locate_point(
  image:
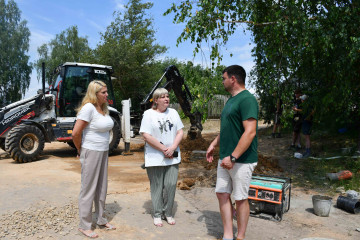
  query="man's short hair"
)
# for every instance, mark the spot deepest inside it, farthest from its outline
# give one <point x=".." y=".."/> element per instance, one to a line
<point x="237" y="71"/>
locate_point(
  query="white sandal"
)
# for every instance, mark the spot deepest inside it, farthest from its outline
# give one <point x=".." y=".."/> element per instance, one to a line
<point x="158" y="222"/>
<point x="170" y="220"/>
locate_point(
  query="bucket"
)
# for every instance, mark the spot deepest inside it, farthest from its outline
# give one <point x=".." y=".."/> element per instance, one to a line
<point x="348" y="204"/>
<point x="322" y="205"/>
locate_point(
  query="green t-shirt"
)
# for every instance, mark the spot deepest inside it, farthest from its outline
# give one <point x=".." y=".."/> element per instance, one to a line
<point x="237" y="109"/>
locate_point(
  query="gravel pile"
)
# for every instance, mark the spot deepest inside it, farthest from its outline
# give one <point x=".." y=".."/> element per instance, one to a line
<point x="48" y="219"/>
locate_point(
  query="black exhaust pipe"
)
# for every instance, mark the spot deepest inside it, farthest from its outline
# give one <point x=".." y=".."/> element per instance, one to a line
<point x="43" y="77"/>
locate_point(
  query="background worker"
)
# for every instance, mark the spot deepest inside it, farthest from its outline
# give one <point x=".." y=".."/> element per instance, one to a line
<point x="308" y="113"/>
<point x="238" y="151"/>
<point x="277" y="120"/>
<point x="297" y="121"/>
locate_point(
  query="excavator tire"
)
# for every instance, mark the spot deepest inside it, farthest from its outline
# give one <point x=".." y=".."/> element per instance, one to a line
<point x="24" y="143"/>
<point x="71" y="144"/>
<point x="2" y="143"/>
<point x="114" y="136"/>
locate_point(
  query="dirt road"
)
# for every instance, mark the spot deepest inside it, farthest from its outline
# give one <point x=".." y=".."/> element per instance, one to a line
<point x="38" y="200"/>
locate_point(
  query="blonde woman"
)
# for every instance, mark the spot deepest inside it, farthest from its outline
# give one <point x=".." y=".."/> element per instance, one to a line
<point x="161" y="128"/>
<point x="91" y="135"/>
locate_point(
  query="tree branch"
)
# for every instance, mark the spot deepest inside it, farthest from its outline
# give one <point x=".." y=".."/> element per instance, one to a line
<point x="257" y="24"/>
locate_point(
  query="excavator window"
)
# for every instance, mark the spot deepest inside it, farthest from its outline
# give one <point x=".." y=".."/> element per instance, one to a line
<point x="74" y="85"/>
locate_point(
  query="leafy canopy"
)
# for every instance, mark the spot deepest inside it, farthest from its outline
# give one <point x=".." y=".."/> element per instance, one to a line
<point x="129" y="45"/>
<point x="67" y="46"/>
<point x="313" y="45"/>
<point x="15" y="68"/>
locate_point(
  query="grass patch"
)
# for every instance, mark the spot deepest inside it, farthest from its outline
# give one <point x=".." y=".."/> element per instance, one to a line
<point x="314" y="174"/>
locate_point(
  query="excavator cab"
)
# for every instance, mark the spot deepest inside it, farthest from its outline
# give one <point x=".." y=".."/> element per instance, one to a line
<point x="70" y="85"/>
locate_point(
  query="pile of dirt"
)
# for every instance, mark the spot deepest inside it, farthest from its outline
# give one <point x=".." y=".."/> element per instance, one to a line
<point x="186" y="183"/>
<point x="268" y="166"/>
<point x="196" y="144"/>
<point x="207" y="176"/>
<point x="206" y="172"/>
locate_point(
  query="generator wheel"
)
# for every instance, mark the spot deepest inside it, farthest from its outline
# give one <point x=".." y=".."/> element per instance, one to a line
<point x="114" y="136"/>
<point x="2" y="143"/>
<point x="24" y="143"/>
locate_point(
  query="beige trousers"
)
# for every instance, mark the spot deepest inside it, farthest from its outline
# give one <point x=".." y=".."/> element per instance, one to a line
<point x="94" y="171"/>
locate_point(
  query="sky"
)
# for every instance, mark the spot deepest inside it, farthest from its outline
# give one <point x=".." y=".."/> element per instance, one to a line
<point x="46" y="18"/>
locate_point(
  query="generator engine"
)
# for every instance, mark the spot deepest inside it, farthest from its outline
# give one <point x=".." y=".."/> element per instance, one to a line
<point x="269" y="196"/>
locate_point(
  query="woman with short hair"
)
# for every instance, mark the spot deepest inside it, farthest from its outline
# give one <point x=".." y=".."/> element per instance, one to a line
<point x="91" y="136"/>
<point x="161" y="128"/>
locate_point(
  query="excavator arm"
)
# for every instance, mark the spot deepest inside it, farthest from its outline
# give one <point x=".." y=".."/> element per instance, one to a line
<point x="175" y="82"/>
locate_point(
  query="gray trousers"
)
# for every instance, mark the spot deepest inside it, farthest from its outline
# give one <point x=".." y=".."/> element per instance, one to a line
<point x="94" y="174"/>
<point x="163" y="182"/>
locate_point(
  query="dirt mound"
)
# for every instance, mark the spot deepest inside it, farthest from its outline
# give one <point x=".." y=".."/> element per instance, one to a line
<point x="207" y="171"/>
<point x="196" y="144"/>
<point x="268" y="166"/>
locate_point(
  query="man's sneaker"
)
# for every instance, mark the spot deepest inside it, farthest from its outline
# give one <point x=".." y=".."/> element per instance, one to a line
<point x="306" y="155"/>
<point x="278" y="135"/>
<point x="273" y="135"/>
<point x="298" y="147"/>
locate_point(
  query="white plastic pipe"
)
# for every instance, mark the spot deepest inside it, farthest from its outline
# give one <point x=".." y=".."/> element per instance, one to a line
<point x="125" y="124"/>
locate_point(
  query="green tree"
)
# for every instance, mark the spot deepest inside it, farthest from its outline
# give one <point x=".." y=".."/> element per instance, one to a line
<point x="128" y="45"/>
<point x="314" y="45"/>
<point x="67" y="46"/>
<point x="14" y="44"/>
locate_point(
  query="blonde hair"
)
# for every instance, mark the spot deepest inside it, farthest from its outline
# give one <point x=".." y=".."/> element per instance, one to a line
<point x="90" y="96"/>
<point x="157" y="94"/>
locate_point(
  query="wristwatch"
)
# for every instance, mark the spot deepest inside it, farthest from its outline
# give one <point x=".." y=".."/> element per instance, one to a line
<point x="232" y="158"/>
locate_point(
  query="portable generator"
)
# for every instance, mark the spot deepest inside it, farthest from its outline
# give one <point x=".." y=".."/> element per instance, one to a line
<point x="269" y="196"/>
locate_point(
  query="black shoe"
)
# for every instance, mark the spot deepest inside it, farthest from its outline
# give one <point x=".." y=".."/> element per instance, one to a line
<point x="278" y="135"/>
<point x="273" y="135"/>
<point x="298" y="147"/>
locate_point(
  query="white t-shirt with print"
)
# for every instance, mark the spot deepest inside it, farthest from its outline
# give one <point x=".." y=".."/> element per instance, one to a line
<point x="162" y="126"/>
<point x="96" y="134"/>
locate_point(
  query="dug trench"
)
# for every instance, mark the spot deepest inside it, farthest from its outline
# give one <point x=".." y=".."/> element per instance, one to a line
<point x="38" y="200"/>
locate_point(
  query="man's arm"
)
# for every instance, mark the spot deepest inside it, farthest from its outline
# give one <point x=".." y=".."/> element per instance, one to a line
<point x="210" y="150"/>
<point x="310" y="115"/>
<point x="244" y="142"/>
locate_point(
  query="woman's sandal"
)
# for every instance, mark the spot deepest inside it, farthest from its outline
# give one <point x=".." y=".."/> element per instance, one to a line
<point x="89" y="234"/>
<point x="158" y="222"/>
<point x="170" y="220"/>
<point x="108" y="226"/>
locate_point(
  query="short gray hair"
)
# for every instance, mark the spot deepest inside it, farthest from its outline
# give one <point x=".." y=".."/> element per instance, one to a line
<point x="157" y="94"/>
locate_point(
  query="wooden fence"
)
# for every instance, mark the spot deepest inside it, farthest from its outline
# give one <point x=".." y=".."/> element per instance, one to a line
<point x="216" y="105"/>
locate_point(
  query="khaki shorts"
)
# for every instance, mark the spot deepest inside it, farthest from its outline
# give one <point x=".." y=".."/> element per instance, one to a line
<point x="235" y="181"/>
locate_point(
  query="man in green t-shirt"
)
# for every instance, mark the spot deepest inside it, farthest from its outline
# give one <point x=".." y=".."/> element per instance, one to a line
<point x="238" y="151"/>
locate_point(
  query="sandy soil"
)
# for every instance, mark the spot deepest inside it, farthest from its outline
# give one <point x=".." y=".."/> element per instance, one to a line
<point x="38" y="200"/>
